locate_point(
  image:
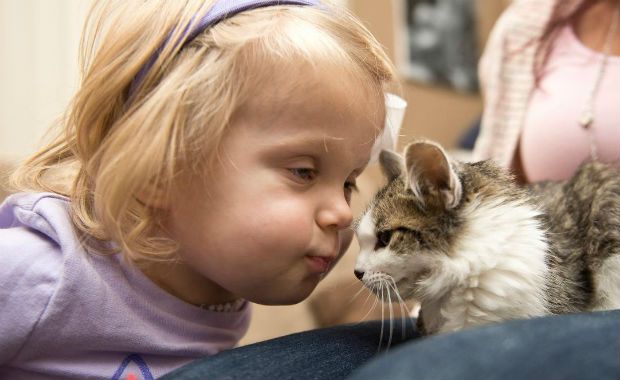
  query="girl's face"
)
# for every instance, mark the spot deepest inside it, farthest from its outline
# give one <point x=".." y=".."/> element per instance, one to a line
<point x="273" y="215"/>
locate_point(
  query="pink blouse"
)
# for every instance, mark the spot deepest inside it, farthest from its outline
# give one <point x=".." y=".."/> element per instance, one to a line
<point x="553" y="144"/>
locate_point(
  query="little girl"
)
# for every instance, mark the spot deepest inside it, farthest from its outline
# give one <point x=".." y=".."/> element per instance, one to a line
<point x="206" y="161"/>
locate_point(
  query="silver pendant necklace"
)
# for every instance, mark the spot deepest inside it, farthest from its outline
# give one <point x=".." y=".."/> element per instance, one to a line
<point x="587" y="115"/>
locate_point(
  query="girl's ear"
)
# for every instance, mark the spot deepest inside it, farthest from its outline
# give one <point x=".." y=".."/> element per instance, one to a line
<point x="430" y="174"/>
<point x="392" y="164"/>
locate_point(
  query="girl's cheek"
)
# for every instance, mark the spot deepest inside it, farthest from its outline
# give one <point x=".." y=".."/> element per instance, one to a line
<point x="282" y="219"/>
<point x="346" y="236"/>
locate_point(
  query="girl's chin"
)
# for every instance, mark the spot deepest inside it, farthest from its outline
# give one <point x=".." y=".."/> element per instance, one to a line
<point x="279" y="298"/>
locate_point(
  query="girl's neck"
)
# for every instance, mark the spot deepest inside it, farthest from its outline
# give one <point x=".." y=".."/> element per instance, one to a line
<point x="184" y="283"/>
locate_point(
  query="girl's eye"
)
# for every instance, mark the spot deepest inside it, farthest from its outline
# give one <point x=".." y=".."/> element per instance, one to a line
<point x="349" y="188"/>
<point x="305" y="174"/>
<point x="383" y="239"/>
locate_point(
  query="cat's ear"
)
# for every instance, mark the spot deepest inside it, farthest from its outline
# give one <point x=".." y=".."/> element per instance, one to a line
<point x="392" y="164"/>
<point x="430" y="173"/>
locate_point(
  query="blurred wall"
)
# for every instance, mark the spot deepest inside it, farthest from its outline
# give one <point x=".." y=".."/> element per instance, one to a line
<point x="433" y="112"/>
<point x="38" y="68"/>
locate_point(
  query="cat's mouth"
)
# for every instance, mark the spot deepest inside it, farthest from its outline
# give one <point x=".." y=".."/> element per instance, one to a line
<point x="379" y="280"/>
<point x="380" y="283"/>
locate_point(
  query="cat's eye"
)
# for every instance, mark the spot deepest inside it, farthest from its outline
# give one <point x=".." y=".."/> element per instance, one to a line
<point x="411" y="233"/>
<point x="383" y="239"/>
<point x="416" y="235"/>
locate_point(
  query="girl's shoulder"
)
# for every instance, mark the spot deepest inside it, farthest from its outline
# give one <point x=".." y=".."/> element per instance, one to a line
<point x="60" y="302"/>
<point x="34" y="229"/>
<point x="31" y="264"/>
<point x="47" y="213"/>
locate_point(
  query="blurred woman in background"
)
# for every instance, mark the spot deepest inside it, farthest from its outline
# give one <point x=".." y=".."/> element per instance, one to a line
<point x="550" y="77"/>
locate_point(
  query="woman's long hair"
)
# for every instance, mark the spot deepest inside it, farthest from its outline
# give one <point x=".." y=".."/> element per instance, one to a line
<point x="562" y="14"/>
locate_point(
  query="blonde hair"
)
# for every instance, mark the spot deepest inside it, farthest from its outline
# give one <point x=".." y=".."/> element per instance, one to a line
<point x="116" y="143"/>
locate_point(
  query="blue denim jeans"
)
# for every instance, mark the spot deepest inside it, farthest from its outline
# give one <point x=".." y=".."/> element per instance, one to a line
<point x="576" y="346"/>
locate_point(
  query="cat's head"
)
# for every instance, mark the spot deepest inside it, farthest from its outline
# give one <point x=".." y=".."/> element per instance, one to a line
<point x="410" y="229"/>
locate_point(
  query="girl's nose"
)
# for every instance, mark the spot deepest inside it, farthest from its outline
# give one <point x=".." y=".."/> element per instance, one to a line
<point x="335" y="213"/>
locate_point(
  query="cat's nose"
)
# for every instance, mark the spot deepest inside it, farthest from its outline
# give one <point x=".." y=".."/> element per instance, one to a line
<point x="358" y="274"/>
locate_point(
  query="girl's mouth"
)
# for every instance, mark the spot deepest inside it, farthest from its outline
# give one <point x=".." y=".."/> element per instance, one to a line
<point x="319" y="264"/>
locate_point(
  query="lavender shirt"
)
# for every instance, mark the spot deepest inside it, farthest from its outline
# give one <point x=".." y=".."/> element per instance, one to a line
<point x="67" y="314"/>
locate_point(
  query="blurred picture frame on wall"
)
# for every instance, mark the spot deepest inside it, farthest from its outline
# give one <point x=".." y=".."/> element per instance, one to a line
<point x="437" y="42"/>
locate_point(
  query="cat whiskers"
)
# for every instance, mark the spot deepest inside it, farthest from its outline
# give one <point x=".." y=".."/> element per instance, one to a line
<point x="383" y="286"/>
<point x="404" y="310"/>
<point x="372" y="307"/>
<point x="405" y="313"/>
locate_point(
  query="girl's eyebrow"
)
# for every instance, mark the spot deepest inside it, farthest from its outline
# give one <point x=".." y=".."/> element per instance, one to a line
<point x="304" y="142"/>
<point x="307" y="144"/>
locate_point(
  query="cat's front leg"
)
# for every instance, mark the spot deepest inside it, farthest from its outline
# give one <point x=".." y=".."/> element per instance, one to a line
<point x="420" y="325"/>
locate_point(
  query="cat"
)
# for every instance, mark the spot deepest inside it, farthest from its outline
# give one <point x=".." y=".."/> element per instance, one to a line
<point x="473" y="247"/>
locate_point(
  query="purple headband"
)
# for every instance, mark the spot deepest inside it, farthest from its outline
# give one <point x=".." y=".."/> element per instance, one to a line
<point x="221" y="10"/>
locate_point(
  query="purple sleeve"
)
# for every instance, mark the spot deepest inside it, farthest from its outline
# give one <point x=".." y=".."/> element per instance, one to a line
<point x="30" y="267"/>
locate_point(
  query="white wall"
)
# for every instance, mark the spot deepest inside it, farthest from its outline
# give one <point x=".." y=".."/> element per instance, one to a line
<point x="38" y="68"/>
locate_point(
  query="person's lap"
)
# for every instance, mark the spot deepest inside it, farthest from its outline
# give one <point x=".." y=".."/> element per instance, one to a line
<point x="578" y="346"/>
<point x="329" y="353"/>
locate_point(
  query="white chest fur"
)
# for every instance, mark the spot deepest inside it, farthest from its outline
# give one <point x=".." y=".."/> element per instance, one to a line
<point x="496" y="270"/>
